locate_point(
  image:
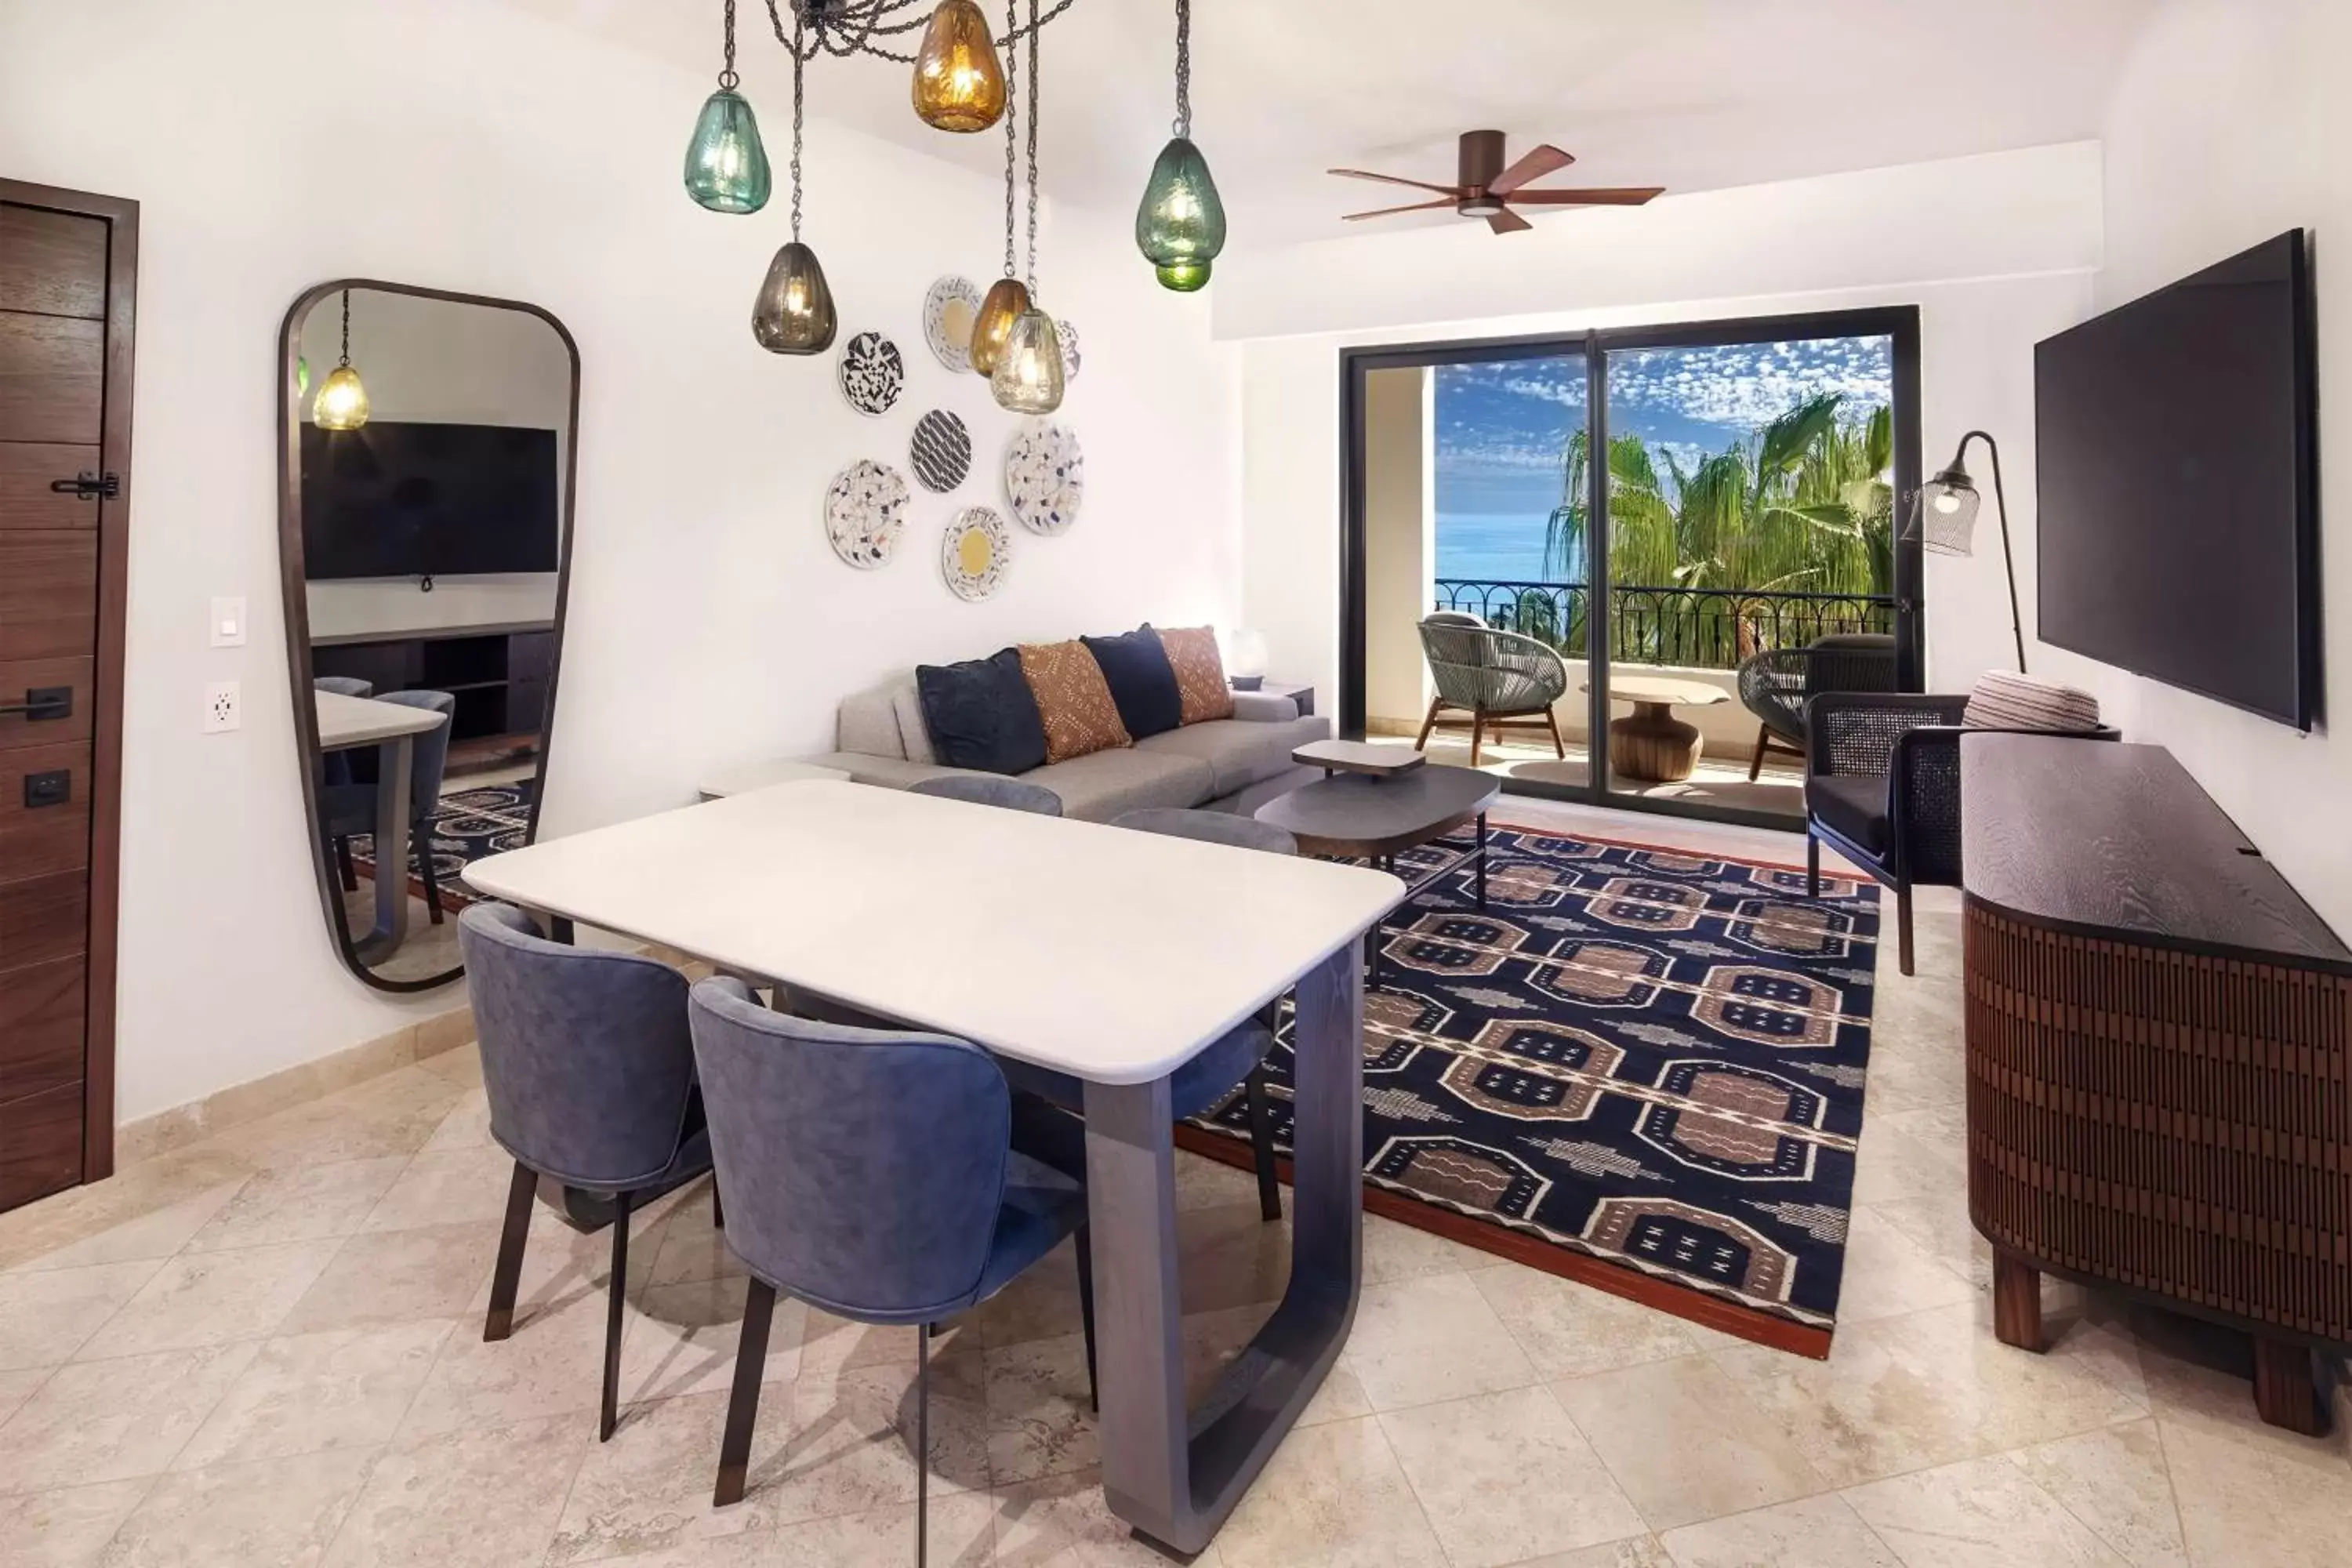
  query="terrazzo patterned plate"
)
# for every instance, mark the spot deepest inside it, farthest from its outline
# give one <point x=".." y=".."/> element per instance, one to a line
<point x="1046" y="477"/>
<point x="873" y="373"/>
<point x="941" y="453"/>
<point x="974" y="552"/>
<point x="864" y="512"/>
<point x="1071" y="359"/>
<point x="949" y="310"/>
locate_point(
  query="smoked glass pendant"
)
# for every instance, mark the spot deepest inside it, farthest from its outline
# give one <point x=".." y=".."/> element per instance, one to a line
<point x="1007" y="298"/>
<point x="726" y="166"/>
<point x="958" y="83"/>
<point x="1181" y="224"/>
<point x="795" y="313"/>
<point x="1028" y="375"/>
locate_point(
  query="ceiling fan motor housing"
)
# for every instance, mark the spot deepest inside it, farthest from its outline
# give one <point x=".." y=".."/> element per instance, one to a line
<point x="1482" y="161"/>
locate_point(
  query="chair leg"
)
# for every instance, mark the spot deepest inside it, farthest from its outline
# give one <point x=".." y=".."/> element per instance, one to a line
<point x="743" y="1403"/>
<point x="508" y="1276"/>
<point x="1429" y="723"/>
<point x="1756" y="763"/>
<point x="1261" y="1123"/>
<point x="615" y="1293"/>
<point x="344" y="864"/>
<point x="1087" y="1311"/>
<point x="922" y="1444"/>
<point x="1558" y="745"/>
<point x="1812" y="866"/>
<point x="1477" y="734"/>
<point x="1903" y="924"/>
<point x="718" y="1204"/>
<point x="431" y="880"/>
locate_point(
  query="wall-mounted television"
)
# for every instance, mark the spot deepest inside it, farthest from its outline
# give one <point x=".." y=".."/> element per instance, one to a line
<point x="2179" y="485"/>
<point x="398" y="499"/>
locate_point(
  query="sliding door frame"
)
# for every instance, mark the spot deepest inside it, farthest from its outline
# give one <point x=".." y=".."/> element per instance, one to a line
<point x="1899" y="323"/>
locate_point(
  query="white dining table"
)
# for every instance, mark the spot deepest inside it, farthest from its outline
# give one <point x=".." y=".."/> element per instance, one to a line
<point x="1109" y="954"/>
<point x="348" y="723"/>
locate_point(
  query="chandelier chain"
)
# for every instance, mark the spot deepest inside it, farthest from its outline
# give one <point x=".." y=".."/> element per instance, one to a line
<point x="845" y="28"/>
<point x="728" y="80"/>
<point x="1033" y="25"/>
<point x="1184" y="68"/>
<point x="797" y="62"/>
<point x="347" y="329"/>
<point x="1012" y="137"/>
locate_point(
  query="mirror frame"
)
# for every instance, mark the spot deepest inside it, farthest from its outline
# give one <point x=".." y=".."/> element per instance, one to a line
<point x="294" y="585"/>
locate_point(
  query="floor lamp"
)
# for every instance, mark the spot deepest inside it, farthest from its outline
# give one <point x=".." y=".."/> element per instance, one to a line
<point x="1945" y="521"/>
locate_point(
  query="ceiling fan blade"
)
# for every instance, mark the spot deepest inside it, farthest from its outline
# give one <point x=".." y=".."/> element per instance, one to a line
<point x="1533" y="165"/>
<point x="1507" y="222"/>
<point x="1384" y="212"/>
<point x="1397" y="180"/>
<point x="1619" y="196"/>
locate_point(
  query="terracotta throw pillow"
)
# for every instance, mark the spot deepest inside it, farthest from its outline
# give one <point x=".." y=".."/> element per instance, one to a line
<point x="1200" y="673"/>
<point x="1072" y="699"/>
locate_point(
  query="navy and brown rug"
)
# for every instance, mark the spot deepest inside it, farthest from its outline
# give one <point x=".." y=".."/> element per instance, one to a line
<point x="1637" y="1068"/>
<point x="467" y="824"/>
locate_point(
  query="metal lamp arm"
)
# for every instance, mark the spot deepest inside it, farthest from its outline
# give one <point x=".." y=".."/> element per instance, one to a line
<point x="2008" y="561"/>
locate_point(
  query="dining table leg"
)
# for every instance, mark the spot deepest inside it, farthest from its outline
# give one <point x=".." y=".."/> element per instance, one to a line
<point x="1175" y="1474"/>
<point x="391" y="851"/>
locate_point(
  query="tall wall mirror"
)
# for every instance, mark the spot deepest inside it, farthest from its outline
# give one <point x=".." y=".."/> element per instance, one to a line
<point x="425" y="525"/>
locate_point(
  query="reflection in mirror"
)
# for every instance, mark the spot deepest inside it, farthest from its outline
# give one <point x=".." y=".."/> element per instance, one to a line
<point x="425" y="523"/>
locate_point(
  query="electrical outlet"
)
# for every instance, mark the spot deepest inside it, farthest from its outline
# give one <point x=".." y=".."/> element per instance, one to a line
<point x="228" y="622"/>
<point x="224" y="709"/>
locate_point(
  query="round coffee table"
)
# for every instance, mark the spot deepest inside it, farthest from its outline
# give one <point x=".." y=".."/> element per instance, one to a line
<point x="1650" y="744"/>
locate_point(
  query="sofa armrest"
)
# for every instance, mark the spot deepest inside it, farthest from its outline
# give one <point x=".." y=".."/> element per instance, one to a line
<point x="1264" y="708"/>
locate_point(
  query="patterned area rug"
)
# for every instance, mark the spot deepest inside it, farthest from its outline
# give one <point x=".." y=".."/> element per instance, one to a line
<point x="468" y="825"/>
<point x="1636" y="1068"/>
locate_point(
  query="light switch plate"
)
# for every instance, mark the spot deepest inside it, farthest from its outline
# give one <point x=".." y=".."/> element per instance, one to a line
<point x="224" y="708"/>
<point x="228" y="622"/>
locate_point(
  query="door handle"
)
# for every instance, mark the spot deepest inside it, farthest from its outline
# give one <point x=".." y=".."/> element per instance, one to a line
<point x="42" y="703"/>
<point x="88" y="487"/>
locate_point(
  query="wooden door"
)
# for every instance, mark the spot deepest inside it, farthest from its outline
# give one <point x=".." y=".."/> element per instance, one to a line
<point x="68" y="263"/>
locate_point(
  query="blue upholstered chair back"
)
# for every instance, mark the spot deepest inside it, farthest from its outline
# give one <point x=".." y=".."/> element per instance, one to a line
<point x="428" y="753"/>
<point x="586" y="1055"/>
<point x="987" y="789"/>
<point x="862" y="1170"/>
<point x="343" y="685"/>
<point x="1209" y="827"/>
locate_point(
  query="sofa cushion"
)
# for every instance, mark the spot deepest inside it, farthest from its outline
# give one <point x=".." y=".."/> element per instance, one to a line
<point x="1074" y="702"/>
<point x="1852" y="805"/>
<point x="867" y="724"/>
<point x="1239" y="753"/>
<point x="1142" y="682"/>
<point x="2006" y="701"/>
<point x="914" y="735"/>
<point x="1201" y="681"/>
<point x="980" y="716"/>
<point x="1101" y="784"/>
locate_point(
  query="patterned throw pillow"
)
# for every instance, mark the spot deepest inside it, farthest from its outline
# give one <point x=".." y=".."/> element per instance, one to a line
<point x="1072" y="699"/>
<point x="2005" y="701"/>
<point x="1200" y="673"/>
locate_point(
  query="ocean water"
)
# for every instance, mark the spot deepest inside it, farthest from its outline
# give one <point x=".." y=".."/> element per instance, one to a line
<point x="1490" y="548"/>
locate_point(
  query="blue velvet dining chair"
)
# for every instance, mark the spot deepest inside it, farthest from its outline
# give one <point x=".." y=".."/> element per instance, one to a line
<point x="870" y="1172"/>
<point x="349" y="808"/>
<point x="990" y="789"/>
<point x="588" y="1062"/>
<point x="335" y="770"/>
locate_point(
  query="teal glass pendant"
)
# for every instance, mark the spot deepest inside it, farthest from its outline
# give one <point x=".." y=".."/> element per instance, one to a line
<point x="1181" y="224"/>
<point x="726" y="166"/>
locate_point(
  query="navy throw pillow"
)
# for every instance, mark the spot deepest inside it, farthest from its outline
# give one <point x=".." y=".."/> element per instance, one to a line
<point x="1142" y="682"/>
<point x="980" y="714"/>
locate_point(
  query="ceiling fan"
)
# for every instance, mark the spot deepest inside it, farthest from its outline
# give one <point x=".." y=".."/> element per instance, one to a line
<point x="1490" y="190"/>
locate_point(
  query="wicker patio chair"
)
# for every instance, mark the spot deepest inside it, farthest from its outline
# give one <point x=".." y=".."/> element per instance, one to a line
<point x="1775" y="684"/>
<point x="1497" y="677"/>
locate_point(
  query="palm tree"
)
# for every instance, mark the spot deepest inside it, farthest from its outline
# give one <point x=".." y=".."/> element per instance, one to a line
<point x="1806" y="505"/>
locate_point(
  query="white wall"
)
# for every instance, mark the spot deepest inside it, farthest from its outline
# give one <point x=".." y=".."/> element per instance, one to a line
<point x="2230" y="125"/>
<point x="1400" y="533"/>
<point x="459" y="144"/>
<point x="1887" y="237"/>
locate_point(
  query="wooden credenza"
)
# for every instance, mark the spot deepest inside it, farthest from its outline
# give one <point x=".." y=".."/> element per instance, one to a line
<point x="2159" y="1057"/>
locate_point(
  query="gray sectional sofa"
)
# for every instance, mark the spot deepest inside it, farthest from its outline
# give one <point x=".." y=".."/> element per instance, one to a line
<point x="1225" y="764"/>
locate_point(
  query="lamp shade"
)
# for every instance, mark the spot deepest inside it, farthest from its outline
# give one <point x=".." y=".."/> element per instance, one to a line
<point x="795" y="313"/>
<point x="1007" y="298"/>
<point x="1028" y="378"/>
<point x="1245" y="654"/>
<point x="959" y="83"/>
<point x="726" y="166"/>
<point x="1180" y="225"/>
<point x="342" y="401"/>
<point x="1949" y="505"/>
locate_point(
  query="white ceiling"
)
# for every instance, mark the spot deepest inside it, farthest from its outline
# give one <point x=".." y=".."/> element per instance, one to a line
<point x="1688" y="94"/>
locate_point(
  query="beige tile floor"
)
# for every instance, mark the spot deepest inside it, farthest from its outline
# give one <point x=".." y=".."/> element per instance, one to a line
<point x="267" y="1349"/>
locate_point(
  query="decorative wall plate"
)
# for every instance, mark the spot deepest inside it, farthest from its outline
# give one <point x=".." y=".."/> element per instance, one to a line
<point x="1071" y="359"/>
<point x="948" y="311"/>
<point x="1046" y="477"/>
<point x="872" y="372"/>
<point x="941" y="453"/>
<point x="865" y="511"/>
<point x="974" y="552"/>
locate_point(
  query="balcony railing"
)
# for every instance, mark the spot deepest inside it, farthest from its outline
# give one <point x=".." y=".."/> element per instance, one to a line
<point x="1705" y="628"/>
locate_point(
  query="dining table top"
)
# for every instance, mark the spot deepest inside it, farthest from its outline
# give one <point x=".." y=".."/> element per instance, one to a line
<point x="1108" y="954"/>
<point x="345" y="721"/>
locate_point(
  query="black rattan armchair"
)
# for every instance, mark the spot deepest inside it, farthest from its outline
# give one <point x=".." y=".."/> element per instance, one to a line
<point x="1882" y="788"/>
<point x="1775" y="684"/>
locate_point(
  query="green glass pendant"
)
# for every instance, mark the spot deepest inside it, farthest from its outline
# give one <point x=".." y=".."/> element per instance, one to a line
<point x="726" y="166"/>
<point x="1181" y="224"/>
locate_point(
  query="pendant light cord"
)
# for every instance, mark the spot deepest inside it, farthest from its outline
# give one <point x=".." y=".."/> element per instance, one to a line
<point x="1184" y="68"/>
<point x="345" y="362"/>
<point x="1033" y="152"/>
<point x="1012" y="134"/>
<point x="796" y="127"/>
<point x="727" y="76"/>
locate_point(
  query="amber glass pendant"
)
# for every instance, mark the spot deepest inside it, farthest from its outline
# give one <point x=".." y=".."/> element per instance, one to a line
<point x="959" y="83"/>
<point x="342" y="402"/>
<point x="1007" y="298"/>
<point x="1028" y="375"/>
<point x="795" y="313"/>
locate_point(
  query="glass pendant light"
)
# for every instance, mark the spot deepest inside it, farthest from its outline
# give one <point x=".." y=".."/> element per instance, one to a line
<point x="1180" y="225"/>
<point x="1028" y="375"/>
<point x="342" y="402"/>
<point x="793" y="313"/>
<point x="959" y="85"/>
<point x="1007" y="298"/>
<point x="726" y="166"/>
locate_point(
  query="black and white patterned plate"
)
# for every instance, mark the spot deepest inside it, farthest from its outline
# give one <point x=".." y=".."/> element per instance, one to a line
<point x="1071" y="357"/>
<point x="1046" y="477"/>
<point x="865" y="511"/>
<point x="872" y="372"/>
<point x="941" y="453"/>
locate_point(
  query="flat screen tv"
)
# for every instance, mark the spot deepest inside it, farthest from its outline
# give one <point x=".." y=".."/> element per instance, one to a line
<point x="2179" y="485"/>
<point x="395" y="499"/>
